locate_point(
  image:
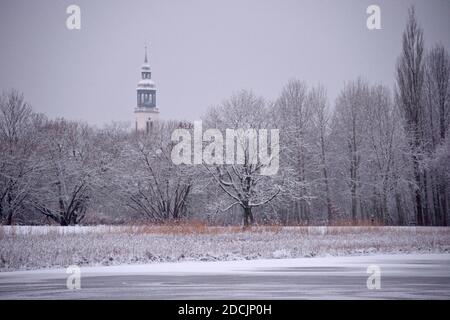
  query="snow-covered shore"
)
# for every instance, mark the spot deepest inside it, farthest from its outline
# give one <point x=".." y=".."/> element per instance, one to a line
<point x="24" y="247"/>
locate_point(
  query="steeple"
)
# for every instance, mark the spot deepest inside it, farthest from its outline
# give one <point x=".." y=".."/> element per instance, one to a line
<point x="145" y="60"/>
<point x="146" y="111"/>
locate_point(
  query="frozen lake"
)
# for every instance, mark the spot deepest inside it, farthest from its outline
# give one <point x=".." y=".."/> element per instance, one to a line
<point x="409" y="276"/>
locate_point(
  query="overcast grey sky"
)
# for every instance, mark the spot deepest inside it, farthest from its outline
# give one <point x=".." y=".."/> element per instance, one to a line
<point x="201" y="51"/>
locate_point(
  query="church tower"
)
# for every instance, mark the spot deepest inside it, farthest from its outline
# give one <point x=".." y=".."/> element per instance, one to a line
<point x="146" y="112"/>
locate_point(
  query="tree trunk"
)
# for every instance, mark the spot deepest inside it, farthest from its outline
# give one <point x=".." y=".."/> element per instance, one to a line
<point x="248" y="217"/>
<point x="426" y="209"/>
<point x="63" y="221"/>
<point x="353" y="196"/>
<point x="327" y="191"/>
<point x="436" y="198"/>
<point x="9" y="211"/>
<point x="398" y="204"/>
<point x="9" y="219"/>
<point x="444" y="202"/>
<point x="418" y="195"/>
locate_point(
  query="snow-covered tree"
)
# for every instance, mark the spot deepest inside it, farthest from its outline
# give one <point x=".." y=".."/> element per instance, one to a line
<point x="152" y="184"/>
<point x="294" y="117"/>
<point x="68" y="171"/>
<point x="17" y="145"/>
<point x="320" y="118"/>
<point x="410" y="79"/>
<point x="242" y="182"/>
<point x="349" y="138"/>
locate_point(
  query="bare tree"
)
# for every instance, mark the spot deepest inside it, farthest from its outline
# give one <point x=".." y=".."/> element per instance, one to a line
<point x="154" y="186"/>
<point x="295" y="117"/>
<point x="16" y="148"/>
<point x="436" y="123"/>
<point x="321" y="121"/>
<point x="383" y="145"/>
<point x="349" y="125"/>
<point x="242" y="182"/>
<point x="437" y="66"/>
<point x="410" y="78"/>
<point x="68" y="171"/>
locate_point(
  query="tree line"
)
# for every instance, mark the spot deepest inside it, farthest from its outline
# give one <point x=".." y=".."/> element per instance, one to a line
<point x="379" y="155"/>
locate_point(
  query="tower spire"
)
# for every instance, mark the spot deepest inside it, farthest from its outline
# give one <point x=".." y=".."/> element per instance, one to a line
<point x="145" y="60"/>
<point x="146" y="111"/>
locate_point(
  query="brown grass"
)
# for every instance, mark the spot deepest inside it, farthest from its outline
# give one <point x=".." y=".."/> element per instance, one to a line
<point x="188" y="228"/>
<point x="30" y="248"/>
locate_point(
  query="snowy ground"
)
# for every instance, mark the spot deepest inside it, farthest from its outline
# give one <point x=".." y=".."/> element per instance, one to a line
<point x="25" y="248"/>
<point x="408" y="276"/>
